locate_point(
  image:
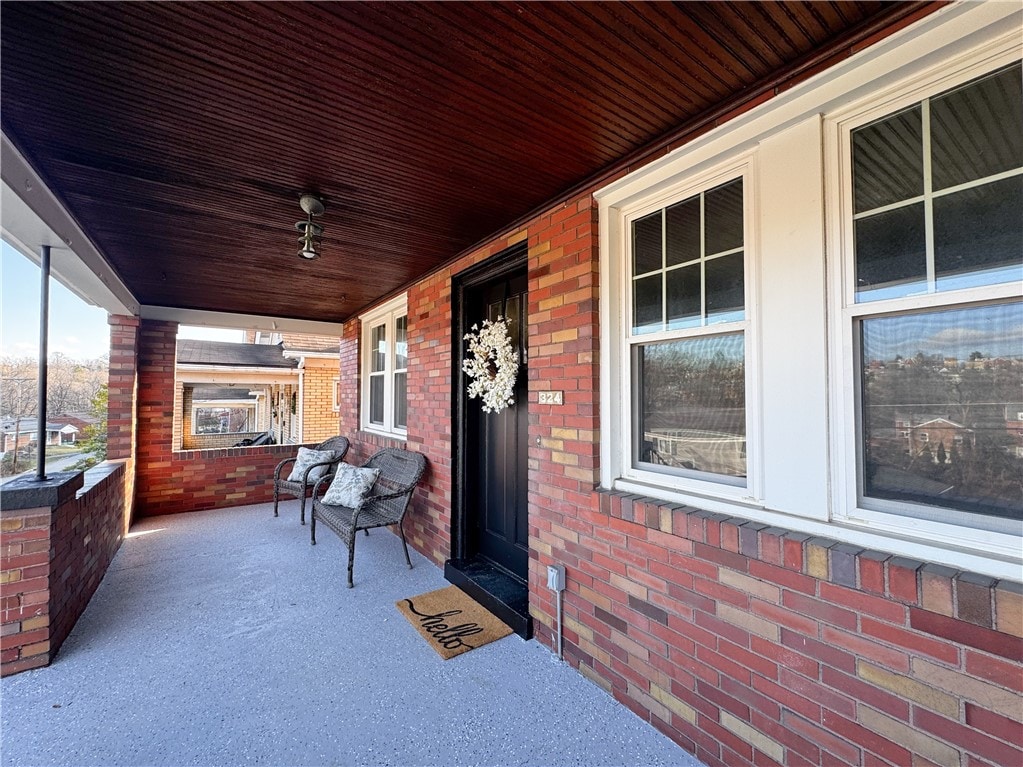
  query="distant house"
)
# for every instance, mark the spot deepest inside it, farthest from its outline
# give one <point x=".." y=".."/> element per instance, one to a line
<point x="927" y="432"/>
<point x="230" y="393"/>
<point x="1014" y="426"/>
<point x="24" y="432"/>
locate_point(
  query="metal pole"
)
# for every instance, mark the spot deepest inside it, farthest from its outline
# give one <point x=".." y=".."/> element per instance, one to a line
<point x="44" y="327"/>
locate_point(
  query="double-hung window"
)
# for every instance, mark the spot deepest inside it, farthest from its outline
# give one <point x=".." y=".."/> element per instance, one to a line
<point x="385" y="369"/>
<point x="686" y="336"/>
<point x="932" y="325"/>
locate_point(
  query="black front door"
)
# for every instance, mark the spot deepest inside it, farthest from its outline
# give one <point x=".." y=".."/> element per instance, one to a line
<point x="496" y="478"/>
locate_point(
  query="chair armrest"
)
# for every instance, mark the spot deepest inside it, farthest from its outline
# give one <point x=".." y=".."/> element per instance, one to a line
<point x="305" y="476"/>
<point x="325" y="479"/>
<point x="277" y="471"/>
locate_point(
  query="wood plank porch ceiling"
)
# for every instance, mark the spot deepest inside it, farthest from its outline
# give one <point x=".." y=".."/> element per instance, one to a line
<point x="180" y="135"/>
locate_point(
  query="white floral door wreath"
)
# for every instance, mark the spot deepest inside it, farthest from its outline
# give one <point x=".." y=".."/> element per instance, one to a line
<point x="492" y="365"/>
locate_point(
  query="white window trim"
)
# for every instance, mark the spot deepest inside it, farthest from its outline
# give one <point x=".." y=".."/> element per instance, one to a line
<point x="335" y="393"/>
<point x="945" y="35"/>
<point x="874" y="514"/>
<point x="386" y="314"/>
<point x="626" y="473"/>
<point x="232" y="404"/>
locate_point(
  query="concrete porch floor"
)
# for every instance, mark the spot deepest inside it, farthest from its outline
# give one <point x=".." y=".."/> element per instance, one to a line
<point x="224" y="638"/>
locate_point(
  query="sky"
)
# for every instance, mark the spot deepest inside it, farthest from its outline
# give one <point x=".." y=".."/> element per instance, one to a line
<point x="77" y="329"/>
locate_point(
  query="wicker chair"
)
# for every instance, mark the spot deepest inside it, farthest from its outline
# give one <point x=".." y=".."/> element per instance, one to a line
<point x="387" y="503"/>
<point x="299" y="489"/>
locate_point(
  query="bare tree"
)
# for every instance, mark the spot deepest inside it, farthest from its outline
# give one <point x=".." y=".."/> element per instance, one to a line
<point x="18" y="401"/>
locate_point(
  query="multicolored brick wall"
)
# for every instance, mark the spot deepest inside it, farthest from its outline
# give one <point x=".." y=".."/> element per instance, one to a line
<point x="86" y="534"/>
<point x="169" y="481"/>
<point x="319" y="418"/>
<point x="743" y="643"/>
<point x="51" y="561"/>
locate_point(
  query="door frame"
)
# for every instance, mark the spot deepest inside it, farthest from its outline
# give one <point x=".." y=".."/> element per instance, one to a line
<point x="510" y="260"/>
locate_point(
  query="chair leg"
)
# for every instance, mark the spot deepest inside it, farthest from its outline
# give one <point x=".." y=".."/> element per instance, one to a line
<point x="405" y="544"/>
<point x="312" y="528"/>
<point x="351" y="557"/>
<point x="302" y="510"/>
<point x="275" y="499"/>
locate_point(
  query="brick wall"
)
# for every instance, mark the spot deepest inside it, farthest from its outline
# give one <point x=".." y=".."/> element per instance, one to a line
<point x="170" y="481"/>
<point x="86" y="534"/>
<point x="51" y="561"/>
<point x="319" y="418"/>
<point x="745" y="644"/>
<point x="24" y="590"/>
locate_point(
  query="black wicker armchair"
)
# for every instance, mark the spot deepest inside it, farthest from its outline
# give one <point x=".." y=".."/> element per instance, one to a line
<point x="386" y="504"/>
<point x="337" y="445"/>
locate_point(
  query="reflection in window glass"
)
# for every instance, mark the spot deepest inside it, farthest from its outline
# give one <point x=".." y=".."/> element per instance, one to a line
<point x="682" y="232"/>
<point x="401" y="343"/>
<point x="647" y="304"/>
<point x="376" y="400"/>
<point x="891" y="254"/>
<point x="379" y="347"/>
<point x="888" y="161"/>
<point x="221" y="420"/>
<point x="690" y="409"/>
<point x="977" y="130"/>
<point x="694" y="274"/>
<point x="941" y="393"/>
<point x="725" y="288"/>
<point x="400" y="400"/>
<point x="955" y="223"/>
<point x="646" y="244"/>
<point x="684" y="308"/>
<point x="978" y="235"/>
<point x="723" y="218"/>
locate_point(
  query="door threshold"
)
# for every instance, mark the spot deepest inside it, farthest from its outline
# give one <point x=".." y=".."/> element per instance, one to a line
<point x="505" y="595"/>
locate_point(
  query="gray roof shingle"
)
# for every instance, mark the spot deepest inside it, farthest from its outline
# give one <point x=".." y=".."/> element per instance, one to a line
<point x="194" y="352"/>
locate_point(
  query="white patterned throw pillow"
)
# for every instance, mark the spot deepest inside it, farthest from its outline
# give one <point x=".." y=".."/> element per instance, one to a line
<point x="350" y="486"/>
<point x="306" y="458"/>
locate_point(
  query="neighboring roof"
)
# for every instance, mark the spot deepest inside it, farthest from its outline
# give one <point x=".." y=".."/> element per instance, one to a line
<point x="81" y="420"/>
<point x="28" y="425"/>
<point x="193" y="352"/>
<point x="206" y="393"/>
<point x="294" y="342"/>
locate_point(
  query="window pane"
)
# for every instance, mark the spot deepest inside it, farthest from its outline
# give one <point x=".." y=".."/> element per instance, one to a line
<point x="684" y="308"/>
<point x="726" y="296"/>
<point x="888" y="161"/>
<point x="977" y="130"/>
<point x="723" y="212"/>
<point x="378" y="349"/>
<point x="376" y="399"/>
<point x="513" y="313"/>
<point x="400" y="401"/>
<point x="646" y="244"/>
<point x="691" y="405"/>
<point x="978" y="235"/>
<point x="401" y="343"/>
<point x="221" y="420"/>
<point x="647" y="306"/>
<point x="682" y="231"/>
<point x="891" y="254"/>
<point x="941" y="399"/>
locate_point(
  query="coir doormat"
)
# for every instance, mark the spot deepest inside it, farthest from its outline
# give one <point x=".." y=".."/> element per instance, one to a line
<point x="451" y="621"/>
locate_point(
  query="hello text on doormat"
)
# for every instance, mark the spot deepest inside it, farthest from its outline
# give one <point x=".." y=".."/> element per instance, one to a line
<point x="451" y="621"/>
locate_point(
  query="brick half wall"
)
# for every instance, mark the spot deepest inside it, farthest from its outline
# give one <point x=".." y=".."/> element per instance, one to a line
<point x="170" y="481"/>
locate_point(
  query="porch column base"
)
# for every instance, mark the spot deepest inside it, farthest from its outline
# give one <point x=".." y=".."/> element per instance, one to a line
<point x="27" y="511"/>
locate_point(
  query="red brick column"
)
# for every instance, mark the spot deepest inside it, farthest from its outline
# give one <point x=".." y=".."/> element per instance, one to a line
<point x="122" y="384"/>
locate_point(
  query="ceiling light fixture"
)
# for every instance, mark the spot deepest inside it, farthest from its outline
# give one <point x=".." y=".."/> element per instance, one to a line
<point x="312" y="232"/>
